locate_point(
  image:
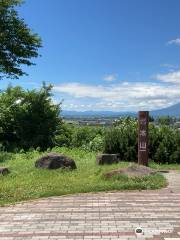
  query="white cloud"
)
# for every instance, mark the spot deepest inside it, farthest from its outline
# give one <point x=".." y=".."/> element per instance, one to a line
<point x="171" y="77"/>
<point x="130" y="96"/>
<point x="110" y="77"/>
<point x="174" y="41"/>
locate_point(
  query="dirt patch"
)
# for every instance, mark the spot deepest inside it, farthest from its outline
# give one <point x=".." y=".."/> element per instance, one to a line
<point x="134" y="170"/>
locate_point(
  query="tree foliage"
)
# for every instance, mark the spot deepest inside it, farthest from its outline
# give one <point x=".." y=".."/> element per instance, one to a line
<point x="28" y="118"/>
<point x="165" y="120"/>
<point x="90" y="138"/>
<point x="17" y="42"/>
<point x="164" y="142"/>
<point x="122" y="139"/>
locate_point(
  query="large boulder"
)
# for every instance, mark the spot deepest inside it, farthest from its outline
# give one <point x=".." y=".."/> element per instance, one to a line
<point x="107" y="158"/>
<point x="134" y="170"/>
<point x="4" y="170"/>
<point x="54" y="161"/>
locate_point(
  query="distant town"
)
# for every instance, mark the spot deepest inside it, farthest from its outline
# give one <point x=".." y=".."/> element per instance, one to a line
<point x="110" y="121"/>
<point x="90" y="121"/>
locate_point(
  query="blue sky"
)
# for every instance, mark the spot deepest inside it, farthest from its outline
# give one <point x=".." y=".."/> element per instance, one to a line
<point x="118" y="55"/>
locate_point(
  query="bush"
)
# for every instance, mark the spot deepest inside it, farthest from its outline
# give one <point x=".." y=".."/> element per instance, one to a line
<point x="164" y="142"/>
<point x="4" y="156"/>
<point x="97" y="143"/>
<point x="122" y="139"/>
<point x="28" y="119"/>
<point x="161" y="155"/>
<point x="83" y="135"/>
<point x="63" y="137"/>
<point x="175" y="156"/>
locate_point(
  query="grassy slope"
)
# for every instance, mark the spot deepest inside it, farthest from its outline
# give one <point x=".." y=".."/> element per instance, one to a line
<point x="26" y="182"/>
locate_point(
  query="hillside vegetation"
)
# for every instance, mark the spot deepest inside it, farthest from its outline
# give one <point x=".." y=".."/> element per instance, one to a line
<point x="31" y="126"/>
<point x="26" y="182"/>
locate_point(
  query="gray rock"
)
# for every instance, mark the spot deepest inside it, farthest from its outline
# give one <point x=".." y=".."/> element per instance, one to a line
<point x="134" y="170"/>
<point x="107" y="159"/>
<point x="54" y="161"/>
<point x="4" y="170"/>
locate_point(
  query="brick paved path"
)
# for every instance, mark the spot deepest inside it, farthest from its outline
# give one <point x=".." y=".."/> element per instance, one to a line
<point x="113" y="215"/>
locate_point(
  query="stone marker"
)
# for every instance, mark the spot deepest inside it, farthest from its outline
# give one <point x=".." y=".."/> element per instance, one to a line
<point x="107" y="158"/>
<point x="4" y="170"/>
<point x="143" y="122"/>
<point x="54" y="161"/>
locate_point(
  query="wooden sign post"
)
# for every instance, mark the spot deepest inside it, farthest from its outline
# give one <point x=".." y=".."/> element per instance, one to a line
<point x="143" y="123"/>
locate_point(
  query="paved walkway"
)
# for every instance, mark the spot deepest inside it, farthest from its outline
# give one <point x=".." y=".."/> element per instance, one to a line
<point x="112" y="215"/>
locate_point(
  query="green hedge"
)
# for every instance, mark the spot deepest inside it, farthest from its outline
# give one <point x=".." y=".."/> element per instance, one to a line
<point x="164" y="142"/>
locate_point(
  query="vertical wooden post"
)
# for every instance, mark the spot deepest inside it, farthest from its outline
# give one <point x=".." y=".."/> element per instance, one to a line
<point x="143" y="123"/>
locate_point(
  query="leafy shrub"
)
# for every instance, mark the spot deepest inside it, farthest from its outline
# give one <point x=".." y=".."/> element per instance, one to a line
<point x="4" y="156"/>
<point x="97" y="143"/>
<point x="83" y="135"/>
<point x="164" y="120"/>
<point x="161" y="155"/>
<point x="164" y="142"/>
<point x="175" y="156"/>
<point x="63" y="136"/>
<point x="28" y="118"/>
<point x="122" y="139"/>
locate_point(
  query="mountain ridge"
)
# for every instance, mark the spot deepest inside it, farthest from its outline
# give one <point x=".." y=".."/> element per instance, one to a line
<point x="173" y="111"/>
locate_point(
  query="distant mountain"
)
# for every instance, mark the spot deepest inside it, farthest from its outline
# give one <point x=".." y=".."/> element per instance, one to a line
<point x="170" y="111"/>
<point x="173" y="110"/>
<point x="92" y="114"/>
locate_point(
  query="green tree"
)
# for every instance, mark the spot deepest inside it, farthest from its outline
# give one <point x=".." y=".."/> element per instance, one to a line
<point x="28" y="118"/>
<point x="122" y="139"/>
<point x="161" y="155"/>
<point x="164" y="141"/>
<point x="165" y="120"/>
<point x="151" y="118"/>
<point x="63" y="135"/>
<point x="83" y="135"/>
<point x="17" y="42"/>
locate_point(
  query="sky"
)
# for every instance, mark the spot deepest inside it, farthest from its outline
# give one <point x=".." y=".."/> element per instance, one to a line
<point x="113" y="55"/>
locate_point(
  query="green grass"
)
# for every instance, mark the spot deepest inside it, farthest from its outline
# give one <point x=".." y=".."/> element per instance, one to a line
<point x="165" y="167"/>
<point x="26" y="182"/>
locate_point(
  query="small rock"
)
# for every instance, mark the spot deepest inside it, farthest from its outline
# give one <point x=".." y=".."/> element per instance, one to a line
<point x="54" y="161"/>
<point x="107" y="158"/>
<point x="4" y="170"/>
